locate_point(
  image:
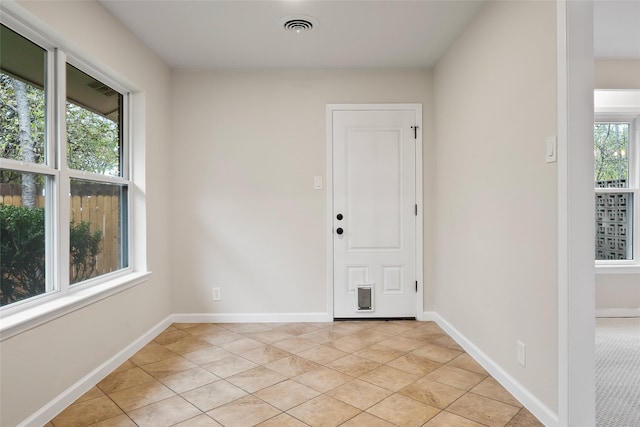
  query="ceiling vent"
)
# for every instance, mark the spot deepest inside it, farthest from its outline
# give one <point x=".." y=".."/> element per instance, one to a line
<point x="298" y="23"/>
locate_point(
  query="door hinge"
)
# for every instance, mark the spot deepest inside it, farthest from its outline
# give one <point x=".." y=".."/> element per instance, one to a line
<point x="415" y="131"/>
<point x="416" y="286"/>
<point x="416" y="210"/>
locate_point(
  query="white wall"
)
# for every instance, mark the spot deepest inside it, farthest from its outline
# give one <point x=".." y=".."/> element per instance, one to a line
<point x="496" y="197"/>
<point x="38" y="365"/>
<point x="617" y="293"/>
<point x="232" y="204"/>
<point x="246" y="216"/>
<point x="617" y="74"/>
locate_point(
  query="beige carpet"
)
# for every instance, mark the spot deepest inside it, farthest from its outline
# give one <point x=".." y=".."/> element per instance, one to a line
<point x="618" y="372"/>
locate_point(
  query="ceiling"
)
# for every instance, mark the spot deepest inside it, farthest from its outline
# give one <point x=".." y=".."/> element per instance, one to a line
<point x="350" y="33"/>
<point x="616" y="28"/>
<point x="248" y="34"/>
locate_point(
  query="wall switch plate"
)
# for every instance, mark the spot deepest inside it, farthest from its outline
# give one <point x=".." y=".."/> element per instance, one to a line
<point x="216" y="294"/>
<point x="522" y="354"/>
<point x="552" y="149"/>
<point x="317" y="183"/>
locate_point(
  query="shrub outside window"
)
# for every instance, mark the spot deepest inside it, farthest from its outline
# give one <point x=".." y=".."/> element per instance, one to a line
<point x="64" y="179"/>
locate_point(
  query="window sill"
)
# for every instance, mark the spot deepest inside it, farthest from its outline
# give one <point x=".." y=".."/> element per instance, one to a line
<point x="30" y="318"/>
<point x="617" y="269"/>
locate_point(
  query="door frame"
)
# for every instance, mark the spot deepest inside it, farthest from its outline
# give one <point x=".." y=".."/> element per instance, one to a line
<point x="417" y="109"/>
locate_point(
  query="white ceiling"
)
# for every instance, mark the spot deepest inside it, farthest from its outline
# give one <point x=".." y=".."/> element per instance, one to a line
<point x="241" y="34"/>
<point x="350" y="34"/>
<point x="616" y="28"/>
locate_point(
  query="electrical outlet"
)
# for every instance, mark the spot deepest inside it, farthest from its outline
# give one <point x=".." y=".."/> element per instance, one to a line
<point x="217" y="294"/>
<point x="522" y="354"/>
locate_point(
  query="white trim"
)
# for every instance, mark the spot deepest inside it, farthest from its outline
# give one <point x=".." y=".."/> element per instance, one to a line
<point x="631" y="265"/>
<point x="417" y="109"/>
<point x="576" y="233"/>
<point x="67" y="397"/>
<point x="618" y="312"/>
<point x="21" y="166"/>
<point x="22" y="21"/>
<point x="563" y="235"/>
<point x="428" y="316"/>
<point x="252" y="317"/>
<point x="329" y="209"/>
<point x="61" y="296"/>
<point x="533" y="404"/>
<point x="62" y="210"/>
<point x="137" y="190"/>
<point x="419" y="217"/>
<point x="26" y="319"/>
<point x="631" y="190"/>
<point x="46" y="413"/>
<point x="617" y="101"/>
<point x="78" y="62"/>
<point x="98" y="178"/>
<point x="617" y="268"/>
<point x="17" y="20"/>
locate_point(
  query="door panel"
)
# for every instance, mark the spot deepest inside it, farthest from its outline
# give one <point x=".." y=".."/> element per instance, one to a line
<point x="374" y="184"/>
<point x="374" y="191"/>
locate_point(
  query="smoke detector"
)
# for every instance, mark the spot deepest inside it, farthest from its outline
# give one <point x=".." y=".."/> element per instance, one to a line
<point x="298" y="23"/>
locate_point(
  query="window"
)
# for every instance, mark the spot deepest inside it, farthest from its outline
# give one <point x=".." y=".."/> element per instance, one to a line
<point x="616" y="188"/>
<point x="64" y="175"/>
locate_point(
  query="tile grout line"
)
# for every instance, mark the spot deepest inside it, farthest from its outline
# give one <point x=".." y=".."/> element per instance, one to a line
<point x="365" y="338"/>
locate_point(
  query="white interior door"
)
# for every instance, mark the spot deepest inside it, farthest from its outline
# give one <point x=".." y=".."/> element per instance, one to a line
<point x="374" y="213"/>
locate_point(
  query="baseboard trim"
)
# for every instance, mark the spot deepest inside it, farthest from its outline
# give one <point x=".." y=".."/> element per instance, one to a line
<point x="67" y="397"/>
<point x="59" y="403"/>
<point x="428" y="316"/>
<point x="533" y="404"/>
<point x="618" y="312"/>
<point x="251" y="317"/>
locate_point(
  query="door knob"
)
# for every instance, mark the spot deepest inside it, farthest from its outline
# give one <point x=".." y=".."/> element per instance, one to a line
<point x="339" y="230"/>
<point x="339" y="216"/>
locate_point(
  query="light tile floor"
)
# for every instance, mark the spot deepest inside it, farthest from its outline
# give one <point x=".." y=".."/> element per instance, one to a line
<point x="368" y="373"/>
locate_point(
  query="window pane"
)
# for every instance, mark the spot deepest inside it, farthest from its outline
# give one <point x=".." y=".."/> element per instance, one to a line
<point x="611" y="151"/>
<point x="22" y="98"/>
<point x="22" y="236"/>
<point x="98" y="233"/>
<point x="614" y="226"/>
<point x="94" y="125"/>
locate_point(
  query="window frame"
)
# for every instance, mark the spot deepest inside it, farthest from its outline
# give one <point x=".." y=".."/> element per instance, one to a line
<point x="67" y="174"/>
<point x="630" y="265"/>
<point x="61" y="296"/>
